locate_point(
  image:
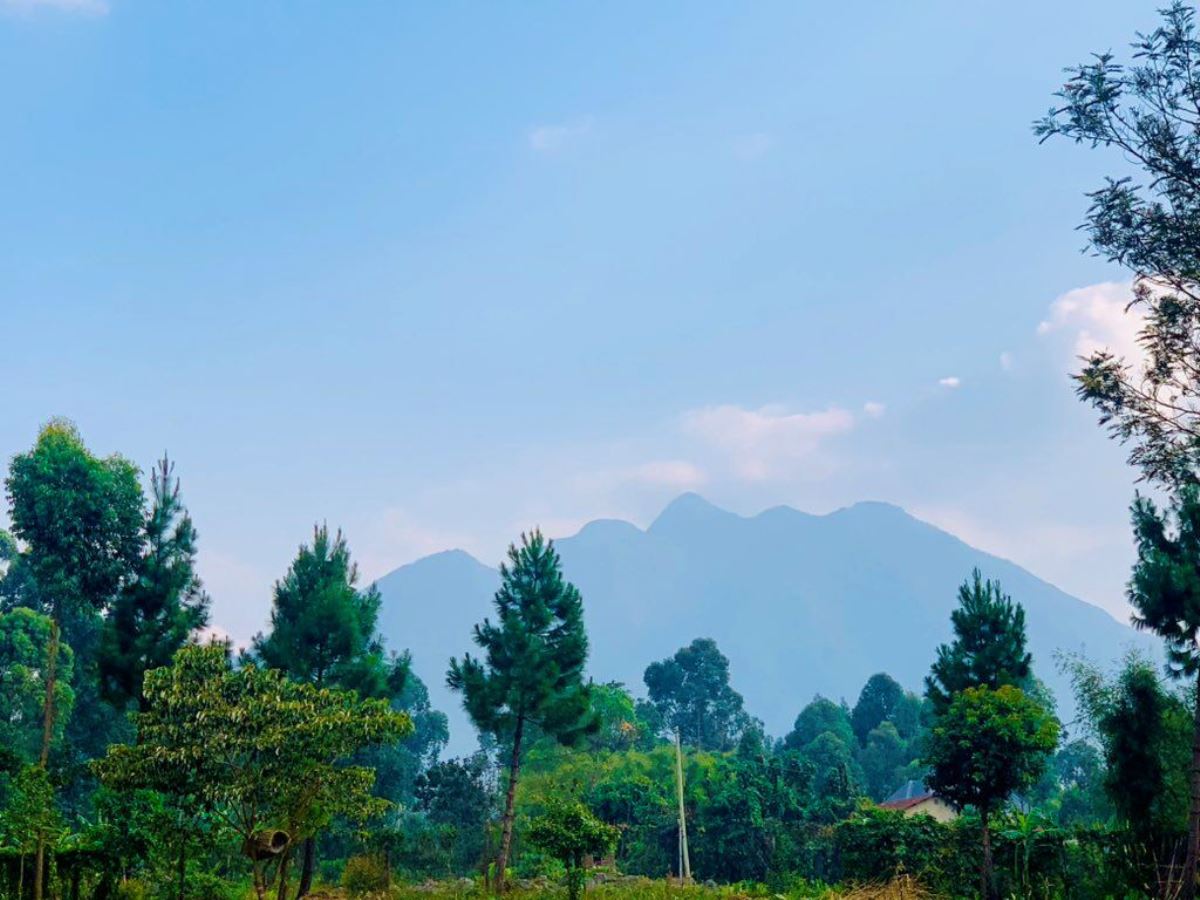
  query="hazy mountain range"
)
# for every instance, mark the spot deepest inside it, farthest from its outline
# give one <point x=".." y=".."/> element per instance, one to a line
<point x="801" y="604"/>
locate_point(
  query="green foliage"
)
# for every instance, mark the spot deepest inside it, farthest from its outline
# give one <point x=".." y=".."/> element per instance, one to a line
<point x="1145" y="735"/>
<point x="988" y="744"/>
<point x="533" y="655"/>
<point x="532" y="670"/>
<point x="622" y="724"/>
<point x="1165" y="588"/>
<point x="569" y="831"/>
<point x="692" y="694"/>
<point x="258" y="750"/>
<point x="365" y="875"/>
<point x="8" y="547"/>
<point x="988" y="649"/>
<point x="1146" y="112"/>
<point x="1079" y="776"/>
<point x="819" y="717"/>
<point x="79" y="517"/>
<point x="455" y="792"/>
<point x="29" y="813"/>
<point x="323" y="627"/>
<point x="163" y="604"/>
<point x="883" y="759"/>
<point x="398" y="766"/>
<point x="456" y="795"/>
<point x="877" y="701"/>
<point x="25" y="638"/>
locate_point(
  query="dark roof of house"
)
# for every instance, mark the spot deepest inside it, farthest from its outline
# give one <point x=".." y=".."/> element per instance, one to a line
<point x="908" y="795"/>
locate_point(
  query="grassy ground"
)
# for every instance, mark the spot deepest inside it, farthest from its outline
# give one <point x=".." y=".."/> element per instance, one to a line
<point x="646" y="889"/>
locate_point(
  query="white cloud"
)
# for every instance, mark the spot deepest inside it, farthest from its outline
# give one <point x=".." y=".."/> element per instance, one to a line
<point x="677" y="474"/>
<point x="1095" y="318"/>
<point x="873" y="409"/>
<point x="950" y="381"/>
<point x="749" y="147"/>
<point x="1007" y="361"/>
<point x="763" y="442"/>
<point x="553" y="138"/>
<point x="83" y="7"/>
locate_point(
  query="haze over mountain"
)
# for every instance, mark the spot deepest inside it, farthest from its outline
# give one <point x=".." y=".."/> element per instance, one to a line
<point x="801" y="604"/>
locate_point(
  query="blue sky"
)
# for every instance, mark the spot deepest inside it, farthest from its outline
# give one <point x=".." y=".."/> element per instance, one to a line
<point x="435" y="273"/>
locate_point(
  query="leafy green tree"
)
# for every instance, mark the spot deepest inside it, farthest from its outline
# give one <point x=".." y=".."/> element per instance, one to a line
<point x="1080" y="774"/>
<point x="532" y="670"/>
<point x="8" y="548"/>
<point x="397" y="766"/>
<point x="620" y="720"/>
<point x="457" y="794"/>
<point x="910" y="716"/>
<point x="253" y="748"/>
<point x="323" y="632"/>
<point x="1145" y="735"/>
<point x="821" y="715"/>
<point x="30" y="821"/>
<point x="79" y="520"/>
<point x="986" y="745"/>
<point x="692" y="694"/>
<point x="1146" y="112"/>
<point x="877" y="701"/>
<point x="1165" y="594"/>
<point x="165" y="603"/>
<point x="988" y="649"/>
<point x="569" y="831"/>
<point x="836" y="771"/>
<point x="25" y="638"/>
<point x="882" y="759"/>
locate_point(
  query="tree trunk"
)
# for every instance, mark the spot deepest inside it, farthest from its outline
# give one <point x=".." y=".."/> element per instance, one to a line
<point x="182" y="868"/>
<point x="39" y="867"/>
<point x="514" y="771"/>
<point x="47" y="737"/>
<point x="307" y="865"/>
<point x="985" y="871"/>
<point x="281" y="892"/>
<point x="260" y="881"/>
<point x="1188" y="891"/>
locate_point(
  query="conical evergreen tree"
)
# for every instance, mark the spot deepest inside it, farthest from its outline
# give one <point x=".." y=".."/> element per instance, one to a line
<point x="988" y="649"/>
<point x="156" y="613"/>
<point x="323" y="632"/>
<point x="532" y="670"/>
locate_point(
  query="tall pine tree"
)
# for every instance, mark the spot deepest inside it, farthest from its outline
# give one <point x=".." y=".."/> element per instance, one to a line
<point x="988" y="649"/>
<point x="1165" y="594"/>
<point x="532" y="670"/>
<point x="323" y="632"/>
<point x="156" y="613"/>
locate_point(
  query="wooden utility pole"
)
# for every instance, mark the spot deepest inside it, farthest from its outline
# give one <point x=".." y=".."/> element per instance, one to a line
<point x="685" y="863"/>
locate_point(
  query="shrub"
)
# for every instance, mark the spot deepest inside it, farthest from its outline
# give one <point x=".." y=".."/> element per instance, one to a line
<point x="132" y="889"/>
<point x="364" y="875"/>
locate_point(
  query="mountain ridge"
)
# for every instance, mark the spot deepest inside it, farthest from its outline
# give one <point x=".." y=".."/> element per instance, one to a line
<point x="801" y="603"/>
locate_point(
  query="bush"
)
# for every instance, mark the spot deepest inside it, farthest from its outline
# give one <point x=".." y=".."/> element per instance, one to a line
<point x="364" y="875"/>
<point x="201" y="886"/>
<point x="132" y="889"/>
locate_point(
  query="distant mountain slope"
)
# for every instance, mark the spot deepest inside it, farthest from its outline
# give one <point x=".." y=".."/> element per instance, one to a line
<point x="801" y="604"/>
